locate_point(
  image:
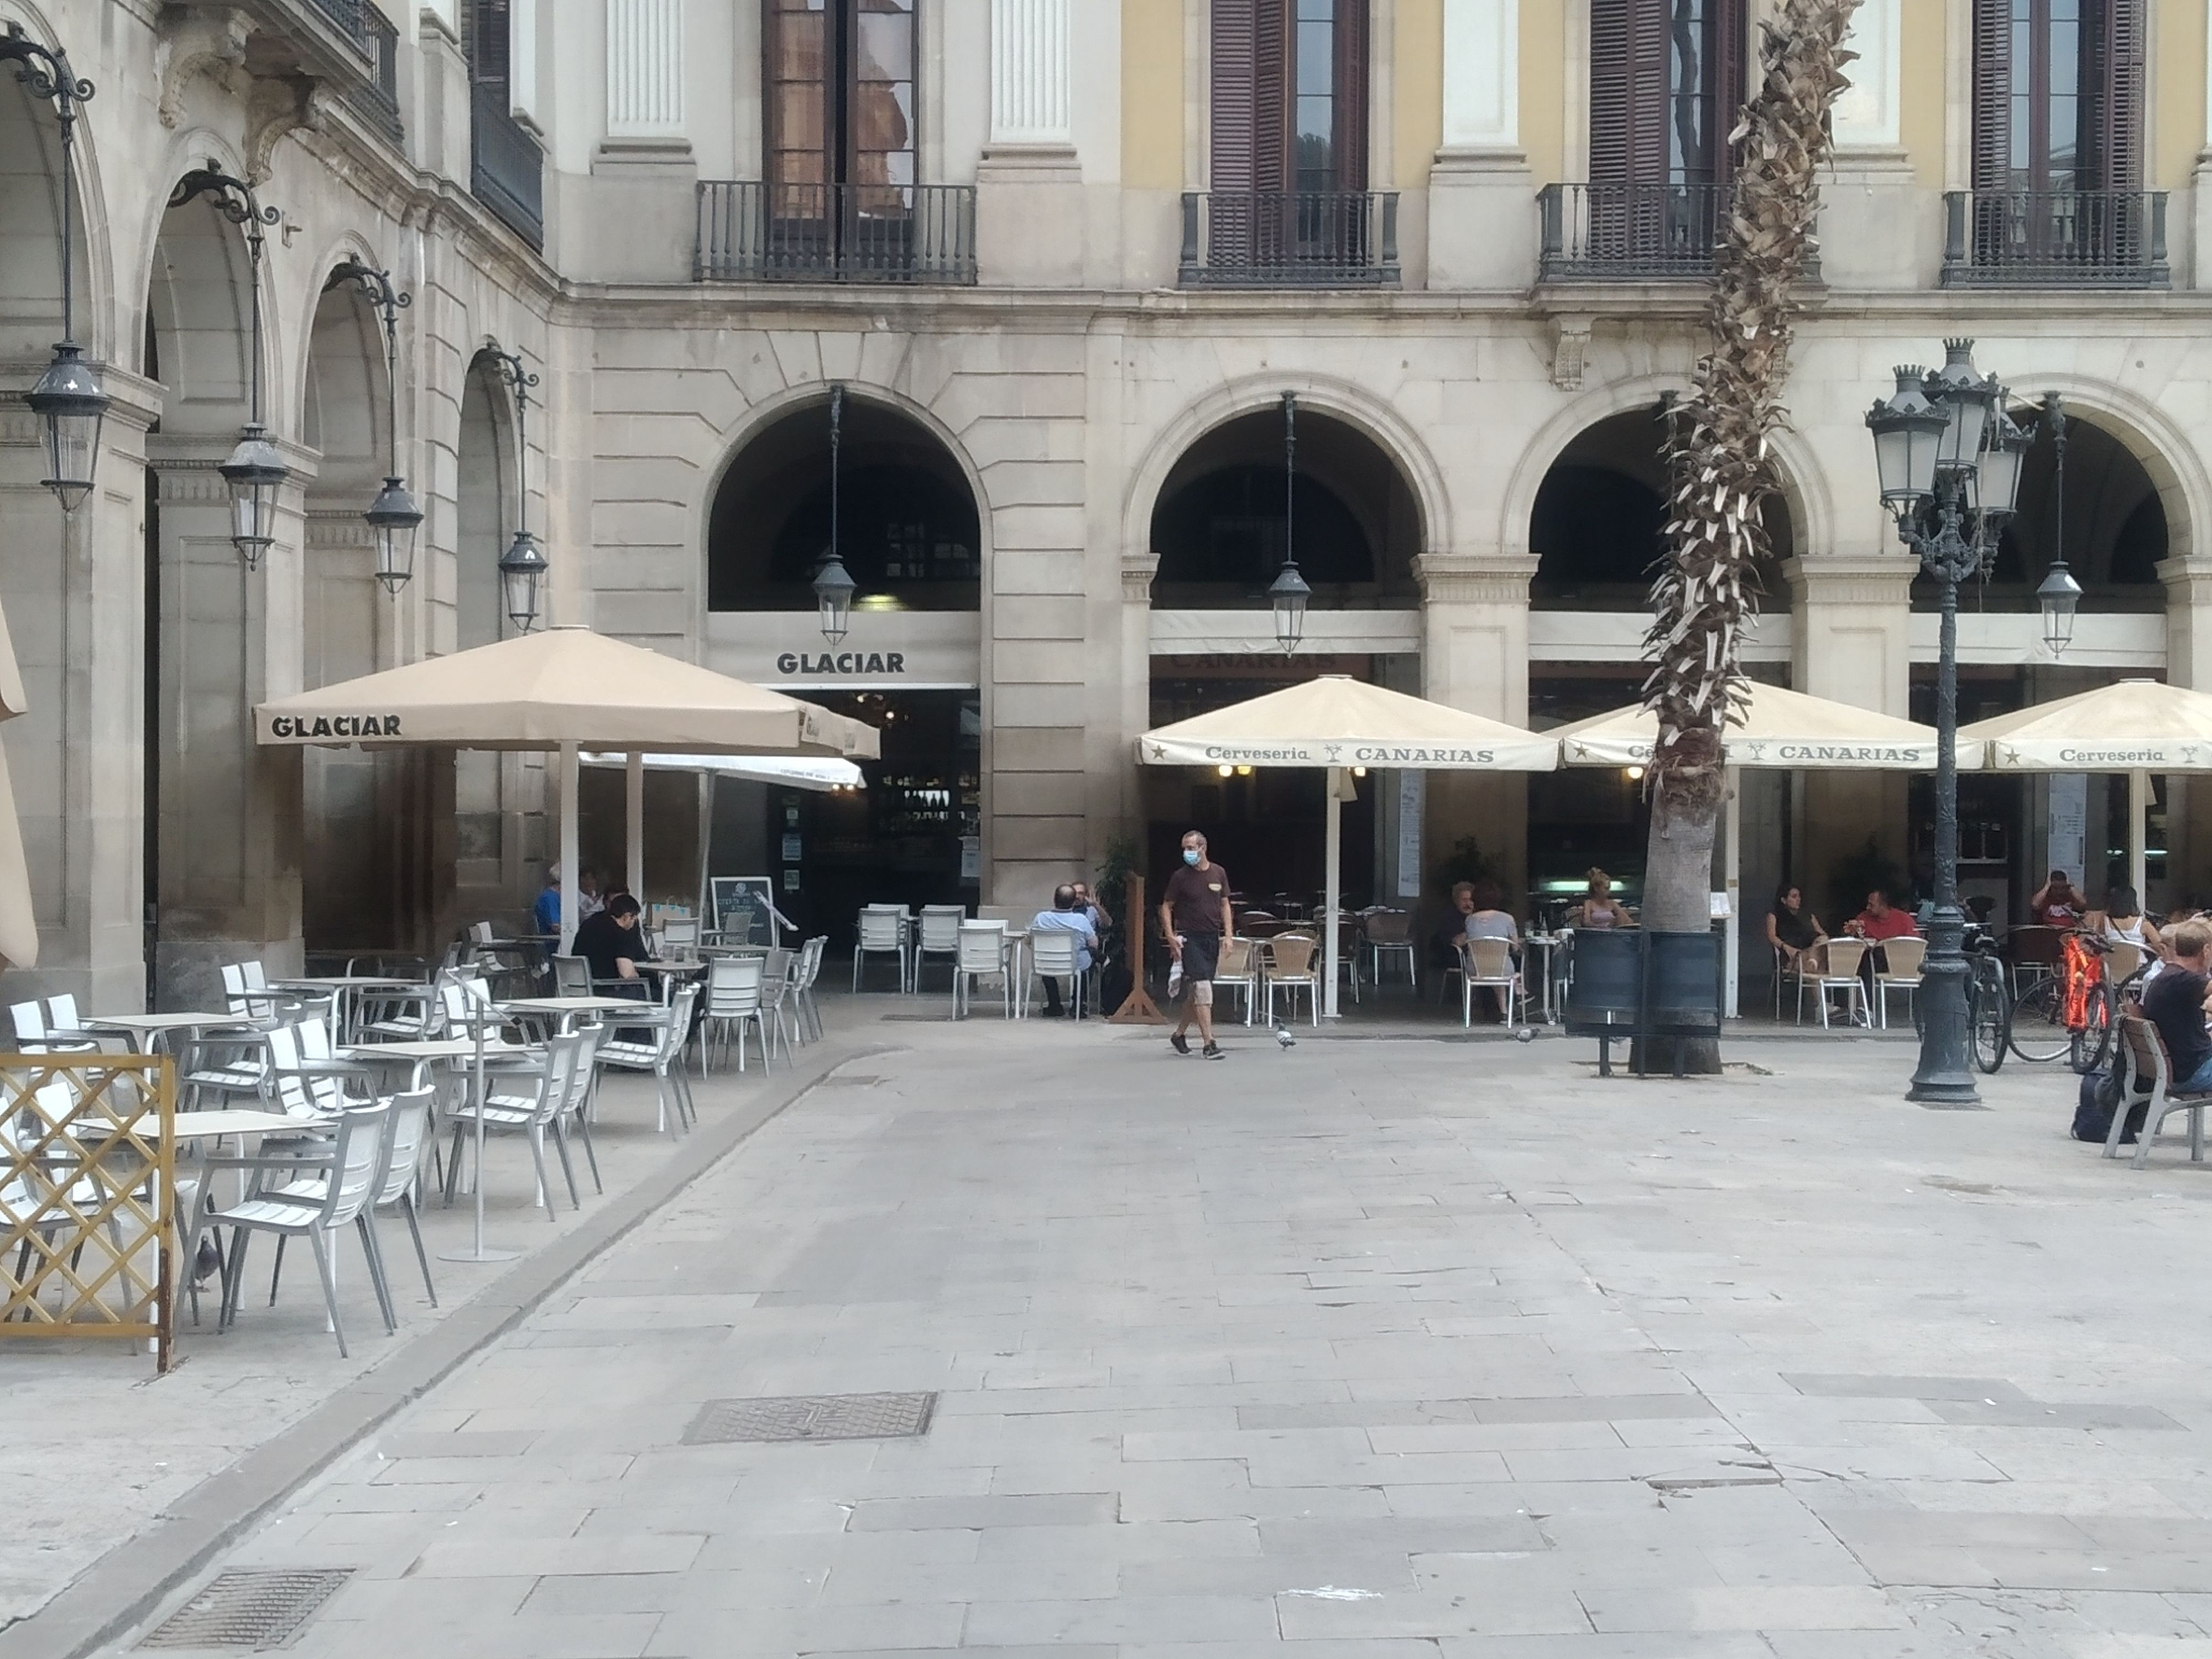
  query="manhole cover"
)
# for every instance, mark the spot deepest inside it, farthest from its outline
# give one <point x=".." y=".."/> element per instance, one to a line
<point x="254" y="1610"/>
<point x="812" y="1417"/>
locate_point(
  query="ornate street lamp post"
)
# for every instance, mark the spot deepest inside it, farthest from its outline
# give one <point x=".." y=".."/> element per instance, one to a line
<point x="523" y="567"/>
<point x="395" y="515"/>
<point x="69" y="400"/>
<point x="1949" y="460"/>
<point x="834" y="586"/>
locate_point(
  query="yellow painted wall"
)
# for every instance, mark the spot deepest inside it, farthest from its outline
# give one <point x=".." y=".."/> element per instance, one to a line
<point x="1417" y="90"/>
<point x="2176" y="133"/>
<point x="1151" y="94"/>
<point x="1923" y="81"/>
<point x="1543" y="88"/>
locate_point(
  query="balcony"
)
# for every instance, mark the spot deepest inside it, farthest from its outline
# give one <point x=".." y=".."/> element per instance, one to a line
<point x="1628" y="233"/>
<point x="506" y="170"/>
<point x="1289" y="239"/>
<point x="347" y="46"/>
<point x="2054" y="238"/>
<point x="751" y="232"/>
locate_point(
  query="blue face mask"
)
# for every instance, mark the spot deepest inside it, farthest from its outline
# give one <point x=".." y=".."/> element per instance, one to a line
<point x="1190" y="855"/>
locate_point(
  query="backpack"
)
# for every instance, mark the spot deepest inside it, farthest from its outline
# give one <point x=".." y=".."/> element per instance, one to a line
<point x="2099" y="1098"/>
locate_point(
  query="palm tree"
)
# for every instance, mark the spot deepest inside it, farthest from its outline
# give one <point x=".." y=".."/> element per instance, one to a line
<point x="1717" y="451"/>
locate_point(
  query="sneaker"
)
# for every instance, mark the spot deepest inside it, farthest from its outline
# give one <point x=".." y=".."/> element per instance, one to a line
<point x="1211" y="1051"/>
<point x="1178" y="1041"/>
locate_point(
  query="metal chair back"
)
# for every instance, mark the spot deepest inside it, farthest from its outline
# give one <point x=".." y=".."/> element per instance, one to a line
<point x="733" y="987"/>
<point x="940" y="931"/>
<point x="572" y="976"/>
<point x="1051" y="953"/>
<point x="982" y="947"/>
<point x="879" y="929"/>
<point x="410" y="1128"/>
<point x="1489" y="961"/>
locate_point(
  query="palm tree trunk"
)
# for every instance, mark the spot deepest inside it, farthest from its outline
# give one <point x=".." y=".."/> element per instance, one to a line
<point x="1719" y="460"/>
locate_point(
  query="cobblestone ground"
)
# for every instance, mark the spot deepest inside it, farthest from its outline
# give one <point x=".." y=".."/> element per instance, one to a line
<point x="1361" y="1348"/>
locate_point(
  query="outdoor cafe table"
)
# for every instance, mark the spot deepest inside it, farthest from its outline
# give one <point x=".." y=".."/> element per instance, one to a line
<point x="670" y="972"/>
<point x="455" y="1049"/>
<point x="344" y="990"/>
<point x="566" y="1008"/>
<point x="150" y="1031"/>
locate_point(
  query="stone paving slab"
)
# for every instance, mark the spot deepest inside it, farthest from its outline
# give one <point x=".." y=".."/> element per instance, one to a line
<point x="1380" y="1349"/>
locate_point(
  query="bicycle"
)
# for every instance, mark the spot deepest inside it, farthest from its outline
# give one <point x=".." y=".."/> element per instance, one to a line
<point x="2041" y="1028"/>
<point x="1989" y="1001"/>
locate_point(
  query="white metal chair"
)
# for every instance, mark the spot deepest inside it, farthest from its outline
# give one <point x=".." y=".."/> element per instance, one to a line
<point x="663" y="1055"/>
<point x="526" y="1101"/>
<point x="403" y="1176"/>
<point x="34" y="1035"/>
<point x="1842" y="974"/>
<point x="1293" y="965"/>
<point x="984" y="950"/>
<point x="734" y="997"/>
<point x="572" y="976"/>
<point x="938" y="935"/>
<point x="678" y="936"/>
<point x="1053" y="955"/>
<point x="810" y="970"/>
<point x="1487" y="964"/>
<point x="1238" y="970"/>
<point x="2148" y="1062"/>
<point x="1388" y="933"/>
<point x="1903" y="957"/>
<point x="882" y="933"/>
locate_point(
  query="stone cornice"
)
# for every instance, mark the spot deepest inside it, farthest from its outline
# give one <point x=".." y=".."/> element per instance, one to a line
<point x="1474" y="578"/>
<point x="1848" y="578"/>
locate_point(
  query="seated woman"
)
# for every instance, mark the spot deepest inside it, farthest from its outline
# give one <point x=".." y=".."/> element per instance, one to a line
<point x="1487" y="919"/>
<point x="1599" y="908"/>
<point x="2120" y="920"/>
<point x="1795" y="932"/>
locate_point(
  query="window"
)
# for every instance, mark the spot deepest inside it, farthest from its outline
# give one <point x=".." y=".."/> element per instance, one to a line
<point x="483" y="41"/>
<point x="1666" y="81"/>
<point x="1290" y="95"/>
<point x="2059" y="95"/>
<point x="840" y="102"/>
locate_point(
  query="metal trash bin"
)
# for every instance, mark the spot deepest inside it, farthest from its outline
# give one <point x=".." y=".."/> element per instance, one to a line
<point x="1681" y="989"/>
<point x="1606" y="994"/>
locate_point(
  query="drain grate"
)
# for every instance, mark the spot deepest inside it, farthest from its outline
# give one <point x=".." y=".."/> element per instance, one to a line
<point x="254" y="1610"/>
<point x="812" y="1417"/>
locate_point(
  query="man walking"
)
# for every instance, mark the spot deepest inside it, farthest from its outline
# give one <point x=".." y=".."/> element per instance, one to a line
<point x="1194" y="915"/>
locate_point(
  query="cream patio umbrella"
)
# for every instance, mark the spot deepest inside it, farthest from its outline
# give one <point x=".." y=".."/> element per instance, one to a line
<point x="1337" y="723"/>
<point x="566" y="689"/>
<point x="2135" y="727"/>
<point x="1779" y="730"/>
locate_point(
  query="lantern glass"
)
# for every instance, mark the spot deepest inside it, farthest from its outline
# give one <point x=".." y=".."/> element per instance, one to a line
<point x="255" y="473"/>
<point x="1289" y="595"/>
<point x="833" y="598"/>
<point x="2059" y="598"/>
<point x="522" y="573"/>
<point x="395" y="516"/>
<point x="1906" y="430"/>
<point x="69" y="400"/>
<point x="1997" y="483"/>
<point x="1967" y="401"/>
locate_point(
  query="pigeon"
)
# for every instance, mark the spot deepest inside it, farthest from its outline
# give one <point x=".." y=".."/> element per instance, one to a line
<point x="1284" y="1039"/>
<point x="1526" y="1033"/>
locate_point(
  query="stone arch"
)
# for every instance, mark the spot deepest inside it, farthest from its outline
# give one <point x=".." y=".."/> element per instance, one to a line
<point x="1804" y="486"/>
<point x="1340" y="400"/>
<point x="196" y="318"/>
<point x="31" y="183"/>
<point x="2147" y="432"/>
<point x="485" y="501"/>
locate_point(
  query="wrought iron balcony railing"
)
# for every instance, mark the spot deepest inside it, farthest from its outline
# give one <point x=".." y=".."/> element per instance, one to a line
<point x="506" y="170"/>
<point x="377" y="99"/>
<point x="348" y="45"/>
<point x="2054" y="238"/>
<point x="1289" y="239"/>
<point x="1628" y="233"/>
<point x="753" y="232"/>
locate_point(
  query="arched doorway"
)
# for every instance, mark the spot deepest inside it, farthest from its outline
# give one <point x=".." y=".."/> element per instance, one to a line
<point x="222" y="878"/>
<point x="910" y="536"/>
<point x="1226" y="513"/>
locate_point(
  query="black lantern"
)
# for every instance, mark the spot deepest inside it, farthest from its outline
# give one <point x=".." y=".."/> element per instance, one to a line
<point x="255" y="471"/>
<point x="2059" y="596"/>
<point x="1906" y="427"/>
<point x="833" y="584"/>
<point x="69" y="399"/>
<point x="523" y="567"/>
<point x="394" y="515"/>
<point x="1288" y="594"/>
<point x="522" y="572"/>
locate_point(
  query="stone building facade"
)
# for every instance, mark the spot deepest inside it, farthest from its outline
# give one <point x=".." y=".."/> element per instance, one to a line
<point x="1065" y="288"/>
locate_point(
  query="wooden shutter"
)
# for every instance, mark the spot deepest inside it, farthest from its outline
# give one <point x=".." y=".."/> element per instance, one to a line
<point x="2119" y="87"/>
<point x="1233" y="142"/>
<point x="1992" y="119"/>
<point x="484" y="39"/>
<point x="1628" y="92"/>
<point x="1351" y="103"/>
<point x="1731" y="41"/>
<point x="1271" y="165"/>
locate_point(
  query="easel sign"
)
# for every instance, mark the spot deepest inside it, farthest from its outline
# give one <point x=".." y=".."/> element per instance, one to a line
<point x="744" y="910"/>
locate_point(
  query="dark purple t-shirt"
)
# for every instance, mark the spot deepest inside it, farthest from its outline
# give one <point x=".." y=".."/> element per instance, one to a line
<point x="1194" y="897"/>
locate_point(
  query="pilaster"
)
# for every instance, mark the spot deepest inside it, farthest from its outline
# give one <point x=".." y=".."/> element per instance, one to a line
<point x="1481" y="233"/>
<point x="1029" y="185"/>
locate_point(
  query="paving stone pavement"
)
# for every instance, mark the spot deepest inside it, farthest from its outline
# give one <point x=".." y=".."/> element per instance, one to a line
<point x="1361" y="1349"/>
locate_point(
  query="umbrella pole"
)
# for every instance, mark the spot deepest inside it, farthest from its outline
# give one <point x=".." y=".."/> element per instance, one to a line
<point x="1333" y="879"/>
<point x="634" y="800"/>
<point x="1731" y="868"/>
<point x="2138" y="834"/>
<point x="569" y="837"/>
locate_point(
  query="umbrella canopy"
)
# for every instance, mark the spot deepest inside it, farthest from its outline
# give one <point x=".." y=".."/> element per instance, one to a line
<point x="820" y="775"/>
<point x="19" y="928"/>
<point x="1336" y="721"/>
<point x="2136" y="726"/>
<point x="565" y="685"/>
<point x="1780" y="729"/>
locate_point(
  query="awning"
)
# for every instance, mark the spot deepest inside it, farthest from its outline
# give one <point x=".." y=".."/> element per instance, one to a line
<point x="1780" y="730"/>
<point x="822" y="774"/>
<point x="1333" y="720"/>
<point x="2136" y="726"/>
<point x="563" y="685"/>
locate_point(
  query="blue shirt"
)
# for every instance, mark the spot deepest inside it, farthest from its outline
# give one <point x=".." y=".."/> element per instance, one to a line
<point x="1067" y="921"/>
<point x="547" y="911"/>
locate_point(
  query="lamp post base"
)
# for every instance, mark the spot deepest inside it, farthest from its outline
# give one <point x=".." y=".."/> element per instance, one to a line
<point x="1945" y="1077"/>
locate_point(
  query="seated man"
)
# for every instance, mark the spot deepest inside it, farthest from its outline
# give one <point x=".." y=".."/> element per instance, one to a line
<point x="2174" y="1002"/>
<point x="1065" y="918"/>
<point x="612" y="943"/>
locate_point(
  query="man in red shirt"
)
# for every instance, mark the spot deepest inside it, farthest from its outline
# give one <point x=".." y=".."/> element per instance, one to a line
<point x="1878" y="921"/>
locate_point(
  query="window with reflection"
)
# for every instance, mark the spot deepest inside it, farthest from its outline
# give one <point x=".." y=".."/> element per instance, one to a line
<point x="840" y="105"/>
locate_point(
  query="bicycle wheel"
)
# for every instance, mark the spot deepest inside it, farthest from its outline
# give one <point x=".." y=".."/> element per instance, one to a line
<point x="2095" y="1040"/>
<point x="2038" y="1031"/>
<point x="1987" y="1015"/>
